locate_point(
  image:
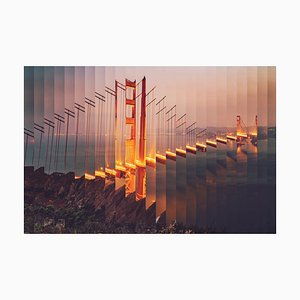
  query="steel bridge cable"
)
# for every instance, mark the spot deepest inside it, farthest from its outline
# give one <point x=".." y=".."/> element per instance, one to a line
<point x="88" y="138"/>
<point x="40" y="144"/>
<point x="97" y="135"/>
<point x="25" y="148"/>
<point x="33" y="151"/>
<point x="109" y="129"/>
<point x="48" y="137"/>
<point x="58" y="142"/>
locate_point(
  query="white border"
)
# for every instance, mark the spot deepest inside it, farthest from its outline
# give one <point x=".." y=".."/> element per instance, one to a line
<point x="152" y="33"/>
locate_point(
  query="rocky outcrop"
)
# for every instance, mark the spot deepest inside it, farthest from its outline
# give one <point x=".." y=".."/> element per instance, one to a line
<point x="59" y="203"/>
<point x="64" y="191"/>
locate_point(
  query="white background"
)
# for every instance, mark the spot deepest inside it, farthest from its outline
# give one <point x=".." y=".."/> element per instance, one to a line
<point x="149" y="33"/>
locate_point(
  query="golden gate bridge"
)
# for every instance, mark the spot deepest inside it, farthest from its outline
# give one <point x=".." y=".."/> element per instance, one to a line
<point x="134" y="130"/>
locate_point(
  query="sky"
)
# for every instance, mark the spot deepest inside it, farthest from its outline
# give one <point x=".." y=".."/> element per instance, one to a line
<point x="211" y="96"/>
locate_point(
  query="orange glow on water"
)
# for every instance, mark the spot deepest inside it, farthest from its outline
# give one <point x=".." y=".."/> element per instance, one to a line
<point x="139" y="163"/>
<point x="211" y="143"/>
<point x="110" y="171"/>
<point x="221" y="140"/>
<point x="240" y="134"/>
<point x="191" y="149"/>
<point x="161" y="158"/>
<point x="89" y="176"/>
<point x="181" y="150"/>
<point x="170" y="154"/>
<point x="253" y="133"/>
<point x="231" y="137"/>
<point x="100" y="174"/>
<point x="200" y="145"/>
<point x="151" y="162"/>
<point x="120" y="168"/>
<point x="130" y="166"/>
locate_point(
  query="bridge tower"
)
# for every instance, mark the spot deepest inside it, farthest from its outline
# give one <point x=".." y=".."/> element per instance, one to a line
<point x="238" y="124"/>
<point x="141" y="161"/>
<point x="130" y="131"/>
<point x="135" y="160"/>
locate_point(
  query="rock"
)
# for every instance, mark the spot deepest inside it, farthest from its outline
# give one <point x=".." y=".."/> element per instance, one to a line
<point x="93" y="200"/>
<point x="61" y="190"/>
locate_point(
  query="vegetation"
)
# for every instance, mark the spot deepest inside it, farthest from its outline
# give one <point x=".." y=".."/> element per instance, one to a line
<point x="58" y="203"/>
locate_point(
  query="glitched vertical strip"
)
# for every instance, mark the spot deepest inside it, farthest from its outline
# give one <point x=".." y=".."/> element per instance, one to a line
<point x="28" y="115"/>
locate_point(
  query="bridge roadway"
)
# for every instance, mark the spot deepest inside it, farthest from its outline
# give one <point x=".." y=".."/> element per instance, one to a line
<point x="121" y="169"/>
